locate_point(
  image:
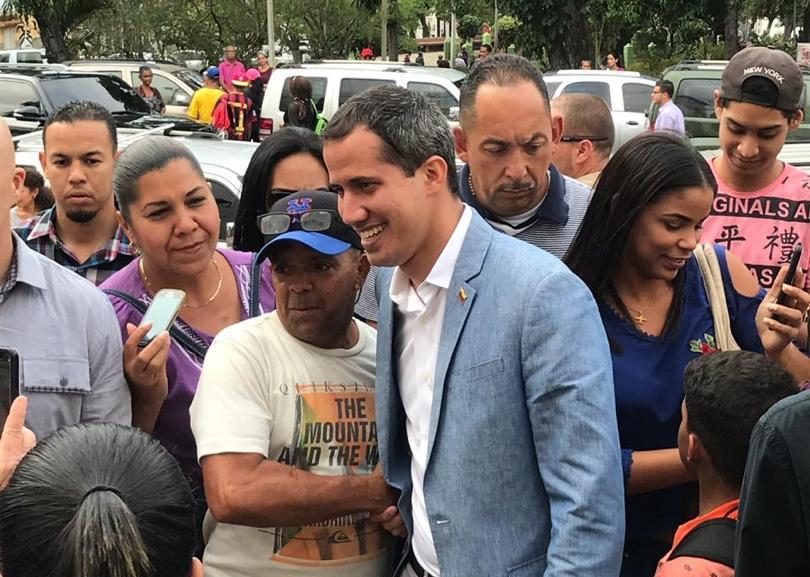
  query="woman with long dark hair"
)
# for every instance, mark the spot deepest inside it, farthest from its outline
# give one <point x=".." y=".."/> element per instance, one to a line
<point x="288" y="161"/>
<point x="635" y="253"/>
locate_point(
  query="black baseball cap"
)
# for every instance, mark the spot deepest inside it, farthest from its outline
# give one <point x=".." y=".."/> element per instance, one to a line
<point x="774" y="65"/>
<point x="305" y="211"/>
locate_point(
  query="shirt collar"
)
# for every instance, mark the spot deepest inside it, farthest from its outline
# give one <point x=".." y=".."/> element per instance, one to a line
<point x="553" y="208"/>
<point x="29" y="267"/>
<point x="442" y="272"/>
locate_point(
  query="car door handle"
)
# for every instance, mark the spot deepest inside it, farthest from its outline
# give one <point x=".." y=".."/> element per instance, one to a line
<point x="632" y="123"/>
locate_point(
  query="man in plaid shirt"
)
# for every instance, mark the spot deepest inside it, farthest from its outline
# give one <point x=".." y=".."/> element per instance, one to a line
<point x="80" y="232"/>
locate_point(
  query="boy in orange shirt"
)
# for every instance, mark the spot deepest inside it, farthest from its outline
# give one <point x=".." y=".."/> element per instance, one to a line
<point x="725" y="394"/>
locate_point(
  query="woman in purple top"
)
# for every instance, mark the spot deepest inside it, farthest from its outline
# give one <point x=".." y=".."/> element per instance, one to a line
<point x="167" y="209"/>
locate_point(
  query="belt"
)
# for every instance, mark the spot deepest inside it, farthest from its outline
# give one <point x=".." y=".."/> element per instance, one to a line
<point x="417" y="568"/>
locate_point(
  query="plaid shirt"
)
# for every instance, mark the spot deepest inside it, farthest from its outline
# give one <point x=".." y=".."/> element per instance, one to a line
<point x="11" y="279"/>
<point x="40" y="235"/>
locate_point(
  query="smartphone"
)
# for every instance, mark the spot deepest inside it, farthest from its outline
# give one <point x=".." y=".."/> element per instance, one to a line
<point x="795" y="257"/>
<point x="162" y="312"/>
<point x="9" y="381"/>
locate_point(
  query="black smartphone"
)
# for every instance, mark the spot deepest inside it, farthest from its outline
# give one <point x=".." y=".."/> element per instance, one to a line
<point x="9" y="381"/>
<point x="795" y="257"/>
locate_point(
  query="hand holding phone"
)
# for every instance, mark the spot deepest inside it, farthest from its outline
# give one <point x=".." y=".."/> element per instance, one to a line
<point x="161" y="313"/>
<point x="793" y="267"/>
<point x="9" y="381"/>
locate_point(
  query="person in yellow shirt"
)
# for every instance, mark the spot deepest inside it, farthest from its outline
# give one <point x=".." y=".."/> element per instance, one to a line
<point x="205" y="99"/>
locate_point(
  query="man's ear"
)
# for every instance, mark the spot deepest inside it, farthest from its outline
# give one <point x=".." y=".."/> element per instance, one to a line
<point x="556" y="129"/>
<point x="363" y="266"/>
<point x="718" y="104"/>
<point x="460" y="140"/>
<point x="694" y="449"/>
<point x="435" y="170"/>
<point x="584" y="151"/>
<point x="796" y="120"/>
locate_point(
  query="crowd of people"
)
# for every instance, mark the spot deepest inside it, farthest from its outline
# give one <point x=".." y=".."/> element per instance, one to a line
<point x="553" y="360"/>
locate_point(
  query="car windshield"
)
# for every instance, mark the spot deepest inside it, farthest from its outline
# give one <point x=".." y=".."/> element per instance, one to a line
<point x="112" y="93"/>
<point x="189" y="77"/>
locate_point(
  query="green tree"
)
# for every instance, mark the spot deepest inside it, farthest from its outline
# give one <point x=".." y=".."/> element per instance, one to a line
<point x="508" y="30"/>
<point x="469" y="26"/>
<point x="56" y="20"/>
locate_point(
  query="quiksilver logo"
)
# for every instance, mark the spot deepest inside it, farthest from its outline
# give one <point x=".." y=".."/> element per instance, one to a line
<point x="770" y="72"/>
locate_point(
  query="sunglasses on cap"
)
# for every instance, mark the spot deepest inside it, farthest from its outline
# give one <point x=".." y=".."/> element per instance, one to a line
<point x="581" y="138"/>
<point x="275" y="223"/>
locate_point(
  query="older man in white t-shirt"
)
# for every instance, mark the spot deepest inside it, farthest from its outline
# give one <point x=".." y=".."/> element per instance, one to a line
<point x="284" y="416"/>
<point x="669" y="116"/>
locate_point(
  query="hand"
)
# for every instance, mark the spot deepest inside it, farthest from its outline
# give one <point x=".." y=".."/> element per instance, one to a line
<point x="145" y="368"/>
<point x="780" y="325"/>
<point x="382" y="494"/>
<point x="15" y="441"/>
<point x="391" y="521"/>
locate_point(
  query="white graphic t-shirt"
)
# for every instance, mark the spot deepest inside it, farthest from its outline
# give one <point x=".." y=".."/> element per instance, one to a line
<point x="264" y="391"/>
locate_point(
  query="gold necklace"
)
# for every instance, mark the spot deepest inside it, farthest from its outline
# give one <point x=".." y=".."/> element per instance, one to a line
<point x="639" y="317"/>
<point x="186" y="305"/>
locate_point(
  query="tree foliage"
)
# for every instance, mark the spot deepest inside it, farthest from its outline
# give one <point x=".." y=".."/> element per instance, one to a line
<point x="57" y="19"/>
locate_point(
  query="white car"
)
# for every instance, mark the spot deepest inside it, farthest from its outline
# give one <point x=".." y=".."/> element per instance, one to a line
<point x="334" y="85"/>
<point x="628" y="95"/>
<point x="23" y="56"/>
<point x="223" y="163"/>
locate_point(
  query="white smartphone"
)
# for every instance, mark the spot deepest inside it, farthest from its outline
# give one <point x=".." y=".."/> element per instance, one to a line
<point x="162" y="312"/>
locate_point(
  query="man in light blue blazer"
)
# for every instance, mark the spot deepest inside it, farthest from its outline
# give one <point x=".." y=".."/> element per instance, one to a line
<point x="495" y="406"/>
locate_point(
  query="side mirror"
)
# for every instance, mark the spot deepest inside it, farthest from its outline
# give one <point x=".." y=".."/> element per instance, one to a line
<point x="181" y="99"/>
<point x="455" y="114"/>
<point x="30" y="113"/>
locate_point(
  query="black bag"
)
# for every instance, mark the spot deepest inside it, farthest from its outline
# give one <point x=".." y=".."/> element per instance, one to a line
<point x="194" y="346"/>
<point x="712" y="540"/>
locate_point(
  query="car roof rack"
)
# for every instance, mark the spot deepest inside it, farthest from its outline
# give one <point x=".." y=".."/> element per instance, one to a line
<point x="126" y="136"/>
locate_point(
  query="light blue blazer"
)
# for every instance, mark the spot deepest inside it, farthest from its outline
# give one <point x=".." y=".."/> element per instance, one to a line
<point x="524" y="474"/>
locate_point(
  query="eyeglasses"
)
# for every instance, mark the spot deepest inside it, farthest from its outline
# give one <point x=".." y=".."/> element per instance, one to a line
<point x="581" y="138"/>
<point x="312" y="221"/>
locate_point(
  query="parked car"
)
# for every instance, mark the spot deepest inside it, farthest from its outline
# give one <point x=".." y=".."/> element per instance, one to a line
<point x="28" y="94"/>
<point x="175" y="83"/>
<point x="223" y="162"/>
<point x="626" y="93"/>
<point x="334" y="85"/>
<point x="23" y="56"/>
<point x="455" y="76"/>
<point x="695" y="83"/>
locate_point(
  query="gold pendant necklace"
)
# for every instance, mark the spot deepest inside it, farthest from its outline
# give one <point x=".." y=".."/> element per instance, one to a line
<point x="188" y="306"/>
<point x="639" y="317"/>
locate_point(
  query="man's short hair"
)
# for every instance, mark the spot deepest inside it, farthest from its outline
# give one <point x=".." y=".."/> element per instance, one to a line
<point x="79" y="111"/>
<point x="726" y="393"/>
<point x="587" y="115"/>
<point x="500" y="70"/>
<point x="411" y="126"/>
<point x="487" y="46"/>
<point x="667" y="87"/>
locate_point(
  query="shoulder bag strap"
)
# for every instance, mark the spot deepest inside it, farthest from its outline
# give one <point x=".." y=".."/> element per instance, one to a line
<point x="712" y="540"/>
<point x="177" y="334"/>
<point x="713" y="281"/>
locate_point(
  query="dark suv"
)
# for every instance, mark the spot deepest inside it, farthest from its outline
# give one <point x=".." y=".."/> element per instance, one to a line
<point x="29" y="95"/>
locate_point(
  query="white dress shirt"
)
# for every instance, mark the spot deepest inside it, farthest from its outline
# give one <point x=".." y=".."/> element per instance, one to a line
<point x="417" y="348"/>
